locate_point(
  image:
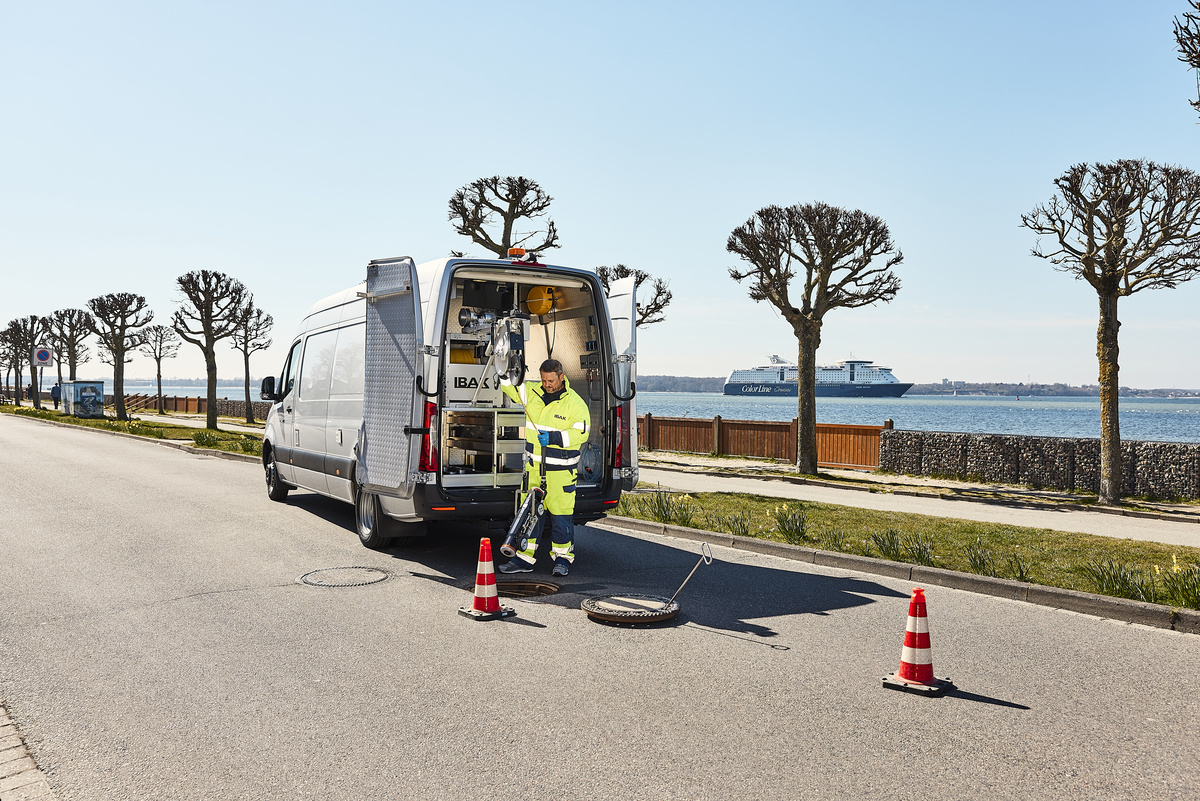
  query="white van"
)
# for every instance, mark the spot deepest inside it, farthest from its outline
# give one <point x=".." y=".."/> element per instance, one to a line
<point x="388" y="398"/>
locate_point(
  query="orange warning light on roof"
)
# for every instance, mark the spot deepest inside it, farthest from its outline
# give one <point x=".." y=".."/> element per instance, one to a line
<point x="517" y="252"/>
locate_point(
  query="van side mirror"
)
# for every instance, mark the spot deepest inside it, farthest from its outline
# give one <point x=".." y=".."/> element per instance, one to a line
<point x="267" y="391"/>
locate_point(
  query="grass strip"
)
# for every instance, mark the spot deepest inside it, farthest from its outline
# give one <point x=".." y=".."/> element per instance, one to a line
<point x="1167" y="574"/>
<point x="232" y="441"/>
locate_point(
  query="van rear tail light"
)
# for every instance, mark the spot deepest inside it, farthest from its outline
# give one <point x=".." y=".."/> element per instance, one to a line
<point x="429" y="452"/>
<point x="622" y="438"/>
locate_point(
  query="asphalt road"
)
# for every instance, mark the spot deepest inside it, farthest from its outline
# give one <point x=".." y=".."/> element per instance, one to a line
<point x="155" y="644"/>
<point x="1032" y="515"/>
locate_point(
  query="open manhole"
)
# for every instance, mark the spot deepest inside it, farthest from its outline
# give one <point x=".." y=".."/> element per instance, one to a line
<point x="344" y="577"/>
<point x="521" y="589"/>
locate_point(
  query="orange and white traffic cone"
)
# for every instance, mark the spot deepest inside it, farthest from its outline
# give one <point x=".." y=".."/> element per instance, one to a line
<point x="486" y="605"/>
<point x="916" y="658"/>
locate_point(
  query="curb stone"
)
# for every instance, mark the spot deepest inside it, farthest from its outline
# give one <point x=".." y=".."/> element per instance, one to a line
<point x="20" y="777"/>
<point x="1122" y="609"/>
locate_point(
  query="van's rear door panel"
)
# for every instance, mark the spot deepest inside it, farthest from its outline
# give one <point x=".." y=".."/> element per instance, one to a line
<point x="622" y="313"/>
<point x="390" y="439"/>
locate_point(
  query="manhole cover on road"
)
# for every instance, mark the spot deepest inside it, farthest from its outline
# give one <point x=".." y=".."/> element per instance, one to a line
<point x="630" y="608"/>
<point x="344" y="577"/>
<point x="520" y="589"/>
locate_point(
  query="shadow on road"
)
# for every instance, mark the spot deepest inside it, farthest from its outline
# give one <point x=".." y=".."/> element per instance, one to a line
<point x="725" y="597"/>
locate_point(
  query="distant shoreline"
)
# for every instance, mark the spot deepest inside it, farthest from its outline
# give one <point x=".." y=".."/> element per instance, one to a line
<point x="667" y="383"/>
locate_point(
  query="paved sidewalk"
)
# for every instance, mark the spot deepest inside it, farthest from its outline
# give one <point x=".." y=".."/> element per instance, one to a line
<point x="198" y="421"/>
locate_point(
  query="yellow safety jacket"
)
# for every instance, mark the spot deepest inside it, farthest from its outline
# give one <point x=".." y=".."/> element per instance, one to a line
<point x="565" y="418"/>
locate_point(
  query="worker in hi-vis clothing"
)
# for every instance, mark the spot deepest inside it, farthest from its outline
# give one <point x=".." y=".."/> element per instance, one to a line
<point x="556" y="426"/>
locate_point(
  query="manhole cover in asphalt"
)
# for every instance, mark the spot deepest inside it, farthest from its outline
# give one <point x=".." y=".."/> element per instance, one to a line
<point x="344" y="577"/>
<point x="630" y="608"/>
<point x="520" y="589"/>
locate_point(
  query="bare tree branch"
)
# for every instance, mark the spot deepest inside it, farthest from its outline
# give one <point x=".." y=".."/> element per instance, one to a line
<point x="211" y="310"/>
<point x="837" y="251"/>
<point x="161" y="342"/>
<point x="117" y="321"/>
<point x="250" y="337"/>
<point x="486" y="201"/>
<point x="1123" y="227"/>
<point x="649" y="311"/>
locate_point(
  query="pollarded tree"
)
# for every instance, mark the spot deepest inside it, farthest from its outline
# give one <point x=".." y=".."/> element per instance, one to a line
<point x="649" y="311"/>
<point x="13" y="357"/>
<point x="28" y="333"/>
<point x="161" y="342"/>
<point x="117" y="321"/>
<point x="486" y="202"/>
<point x="70" y="327"/>
<point x="1187" y="37"/>
<point x="1122" y="227"/>
<point x="212" y="306"/>
<point x="250" y="337"/>
<point x="841" y="258"/>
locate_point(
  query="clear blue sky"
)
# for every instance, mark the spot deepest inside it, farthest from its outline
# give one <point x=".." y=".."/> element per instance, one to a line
<point x="287" y="144"/>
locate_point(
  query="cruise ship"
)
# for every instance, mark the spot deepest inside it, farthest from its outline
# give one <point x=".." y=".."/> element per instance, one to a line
<point x="853" y="378"/>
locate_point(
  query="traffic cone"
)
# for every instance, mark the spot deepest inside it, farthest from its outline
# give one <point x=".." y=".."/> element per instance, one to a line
<point x="486" y="605"/>
<point x="916" y="658"/>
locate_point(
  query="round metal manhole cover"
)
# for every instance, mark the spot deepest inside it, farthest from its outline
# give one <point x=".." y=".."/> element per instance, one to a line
<point x="630" y="608"/>
<point x="344" y="577"/>
<point x="521" y="589"/>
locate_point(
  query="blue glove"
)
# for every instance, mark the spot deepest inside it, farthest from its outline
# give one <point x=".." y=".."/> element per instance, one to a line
<point x="543" y="438"/>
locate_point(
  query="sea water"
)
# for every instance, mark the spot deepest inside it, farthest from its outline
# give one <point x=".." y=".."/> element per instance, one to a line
<point x="1157" y="419"/>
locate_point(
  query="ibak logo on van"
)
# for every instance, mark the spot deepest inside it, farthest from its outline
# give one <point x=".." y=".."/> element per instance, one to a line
<point x="467" y="382"/>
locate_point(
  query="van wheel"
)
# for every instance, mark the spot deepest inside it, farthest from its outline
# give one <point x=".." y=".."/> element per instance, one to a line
<point x="276" y="489"/>
<point x="373" y="526"/>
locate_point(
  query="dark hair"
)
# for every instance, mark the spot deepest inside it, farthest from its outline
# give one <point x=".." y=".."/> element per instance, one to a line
<point x="551" y="366"/>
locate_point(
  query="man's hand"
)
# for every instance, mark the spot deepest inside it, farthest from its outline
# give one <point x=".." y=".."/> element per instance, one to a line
<point x="543" y="438"/>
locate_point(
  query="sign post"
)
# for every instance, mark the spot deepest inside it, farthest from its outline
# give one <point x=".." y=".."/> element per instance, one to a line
<point x="43" y="357"/>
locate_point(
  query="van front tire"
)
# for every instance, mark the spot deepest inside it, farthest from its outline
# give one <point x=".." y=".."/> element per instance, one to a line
<point x="276" y="489"/>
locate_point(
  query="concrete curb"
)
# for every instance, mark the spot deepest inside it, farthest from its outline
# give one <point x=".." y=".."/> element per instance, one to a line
<point x="1182" y="620"/>
<point x="1069" y="507"/>
<point x="181" y="446"/>
<point x="20" y="776"/>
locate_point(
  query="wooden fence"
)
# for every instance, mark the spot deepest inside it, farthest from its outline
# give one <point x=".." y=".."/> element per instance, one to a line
<point x="855" y="447"/>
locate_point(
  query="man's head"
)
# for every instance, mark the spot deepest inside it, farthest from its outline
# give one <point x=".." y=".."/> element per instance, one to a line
<point x="552" y="375"/>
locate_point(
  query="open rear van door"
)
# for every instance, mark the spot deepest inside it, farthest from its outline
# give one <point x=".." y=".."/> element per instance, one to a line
<point x="389" y="443"/>
<point x="622" y="312"/>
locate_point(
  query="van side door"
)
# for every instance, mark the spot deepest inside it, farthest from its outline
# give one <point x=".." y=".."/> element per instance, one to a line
<point x="285" y="409"/>
<point x="622" y="315"/>
<point x="389" y="445"/>
<point x="312" y="407"/>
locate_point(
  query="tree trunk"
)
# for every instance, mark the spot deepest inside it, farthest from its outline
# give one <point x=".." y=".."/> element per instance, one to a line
<point x="1110" y="426"/>
<point x="210" y="364"/>
<point x="158" y="372"/>
<point x="809" y="338"/>
<point x="72" y="360"/>
<point x="34" y="382"/>
<point x="249" y="408"/>
<point x="119" y="384"/>
<point x="18" y="390"/>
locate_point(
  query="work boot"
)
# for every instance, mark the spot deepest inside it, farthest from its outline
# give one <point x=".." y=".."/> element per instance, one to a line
<point x="561" y="567"/>
<point x="516" y="566"/>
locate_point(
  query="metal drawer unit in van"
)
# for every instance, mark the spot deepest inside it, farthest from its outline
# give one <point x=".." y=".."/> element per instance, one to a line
<point x="482" y="447"/>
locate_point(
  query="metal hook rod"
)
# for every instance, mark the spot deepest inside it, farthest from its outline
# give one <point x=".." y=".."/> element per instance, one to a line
<point x="705" y="558"/>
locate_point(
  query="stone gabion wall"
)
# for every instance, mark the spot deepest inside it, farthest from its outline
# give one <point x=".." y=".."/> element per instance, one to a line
<point x="1161" y="469"/>
<point x="237" y="408"/>
<point x="225" y="408"/>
